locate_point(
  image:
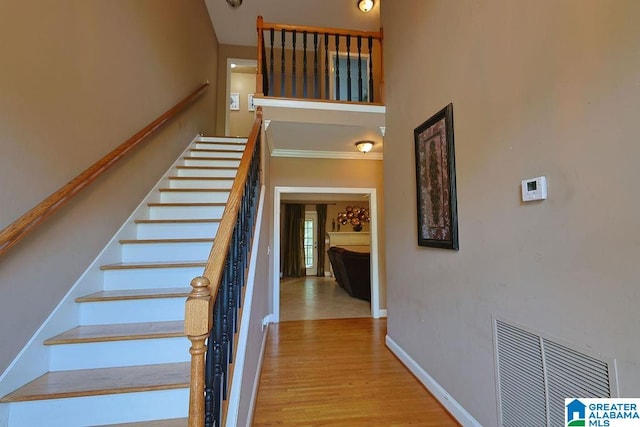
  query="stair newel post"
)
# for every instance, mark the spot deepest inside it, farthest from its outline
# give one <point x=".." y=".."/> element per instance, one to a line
<point x="197" y="323"/>
<point x="260" y="71"/>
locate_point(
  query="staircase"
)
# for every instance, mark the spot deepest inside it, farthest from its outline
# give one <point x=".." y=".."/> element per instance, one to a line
<point x="127" y="360"/>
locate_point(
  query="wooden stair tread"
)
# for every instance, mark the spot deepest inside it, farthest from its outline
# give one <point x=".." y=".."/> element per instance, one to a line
<point x="217" y="150"/>
<point x="208" y="167"/>
<point x="119" y="332"/>
<point x="145" y="241"/>
<point x="175" y="221"/>
<point x="236" y="140"/>
<point x="133" y="294"/>
<point x="194" y="190"/>
<point x="174" y="422"/>
<point x="132" y="265"/>
<point x="95" y="382"/>
<point x="185" y="204"/>
<point x="209" y="158"/>
<point x="202" y="178"/>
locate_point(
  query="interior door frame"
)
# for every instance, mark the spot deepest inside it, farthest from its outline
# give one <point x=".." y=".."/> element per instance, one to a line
<point x="376" y="311"/>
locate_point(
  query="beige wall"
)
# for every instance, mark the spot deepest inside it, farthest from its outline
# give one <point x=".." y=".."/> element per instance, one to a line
<point x="241" y="121"/>
<point x="222" y="103"/>
<point x="329" y="173"/>
<point x="77" y="79"/>
<point x="538" y="88"/>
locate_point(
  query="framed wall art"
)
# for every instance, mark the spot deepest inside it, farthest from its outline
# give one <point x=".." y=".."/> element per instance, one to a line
<point x="436" y="181"/>
<point x="234" y="102"/>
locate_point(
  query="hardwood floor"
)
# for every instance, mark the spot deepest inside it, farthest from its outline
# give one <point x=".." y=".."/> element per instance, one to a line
<point x="312" y="297"/>
<point x="339" y="372"/>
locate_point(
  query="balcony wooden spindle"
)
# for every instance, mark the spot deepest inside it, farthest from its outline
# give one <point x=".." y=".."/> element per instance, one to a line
<point x="197" y="324"/>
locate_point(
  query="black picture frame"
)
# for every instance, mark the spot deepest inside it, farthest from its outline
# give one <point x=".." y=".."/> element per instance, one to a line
<point x="436" y="181"/>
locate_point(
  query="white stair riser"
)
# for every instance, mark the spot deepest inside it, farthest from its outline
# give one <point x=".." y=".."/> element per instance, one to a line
<point x="186" y="212"/>
<point x="219" y="145"/>
<point x="226" y="154"/>
<point x="132" y="311"/>
<point x="104" y="409"/>
<point x="119" y="353"/>
<point x="218" y="184"/>
<point x="211" y="163"/>
<point x="194" y="196"/>
<point x="165" y="252"/>
<point x="208" y="173"/>
<point x="170" y="230"/>
<point x="149" y="278"/>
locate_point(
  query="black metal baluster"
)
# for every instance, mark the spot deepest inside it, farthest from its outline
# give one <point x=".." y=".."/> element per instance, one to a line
<point x="371" y="69"/>
<point x="359" y="69"/>
<point x="316" y="88"/>
<point x="223" y="299"/>
<point x="348" y="67"/>
<point x="294" y="86"/>
<point x="337" y="67"/>
<point x="326" y="66"/>
<point x="271" y="88"/>
<point x="282" y="36"/>
<point x="304" y="65"/>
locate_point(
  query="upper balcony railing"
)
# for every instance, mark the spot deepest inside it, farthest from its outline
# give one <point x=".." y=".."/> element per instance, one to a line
<point x="319" y="63"/>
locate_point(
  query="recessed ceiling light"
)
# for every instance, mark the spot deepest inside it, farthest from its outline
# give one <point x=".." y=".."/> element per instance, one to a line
<point x="234" y="65"/>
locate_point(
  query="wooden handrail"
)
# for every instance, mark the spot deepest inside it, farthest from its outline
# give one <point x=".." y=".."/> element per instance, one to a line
<point x="319" y="30"/>
<point x="199" y="306"/>
<point x="17" y="230"/>
<point x="215" y="264"/>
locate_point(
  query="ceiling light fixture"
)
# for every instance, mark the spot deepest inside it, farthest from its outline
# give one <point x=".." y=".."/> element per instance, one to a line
<point x="365" y="5"/>
<point x="364" y="146"/>
<point x="234" y="3"/>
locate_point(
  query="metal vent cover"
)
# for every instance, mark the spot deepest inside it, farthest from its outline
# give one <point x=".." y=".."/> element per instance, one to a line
<point x="536" y="374"/>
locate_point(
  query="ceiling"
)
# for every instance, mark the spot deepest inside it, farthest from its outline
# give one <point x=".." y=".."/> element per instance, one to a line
<point x="238" y="26"/>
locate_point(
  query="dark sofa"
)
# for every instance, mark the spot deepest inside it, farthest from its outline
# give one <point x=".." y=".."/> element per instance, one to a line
<point x="352" y="271"/>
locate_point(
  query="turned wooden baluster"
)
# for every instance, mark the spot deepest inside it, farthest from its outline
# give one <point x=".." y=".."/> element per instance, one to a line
<point x="197" y="324"/>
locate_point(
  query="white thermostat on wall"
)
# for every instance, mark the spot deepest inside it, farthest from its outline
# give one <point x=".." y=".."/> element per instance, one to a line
<point x="534" y="189"/>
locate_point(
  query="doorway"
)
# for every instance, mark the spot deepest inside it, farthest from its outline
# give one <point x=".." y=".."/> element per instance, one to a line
<point x="241" y="86"/>
<point x="376" y="311"/>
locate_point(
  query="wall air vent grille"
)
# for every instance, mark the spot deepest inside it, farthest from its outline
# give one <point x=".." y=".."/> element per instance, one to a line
<point x="536" y="374"/>
<point x="572" y="374"/>
<point x="521" y="384"/>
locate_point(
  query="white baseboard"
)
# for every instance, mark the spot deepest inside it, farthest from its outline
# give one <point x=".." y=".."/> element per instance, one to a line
<point x="382" y="312"/>
<point x="256" y="380"/>
<point x="454" y="408"/>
